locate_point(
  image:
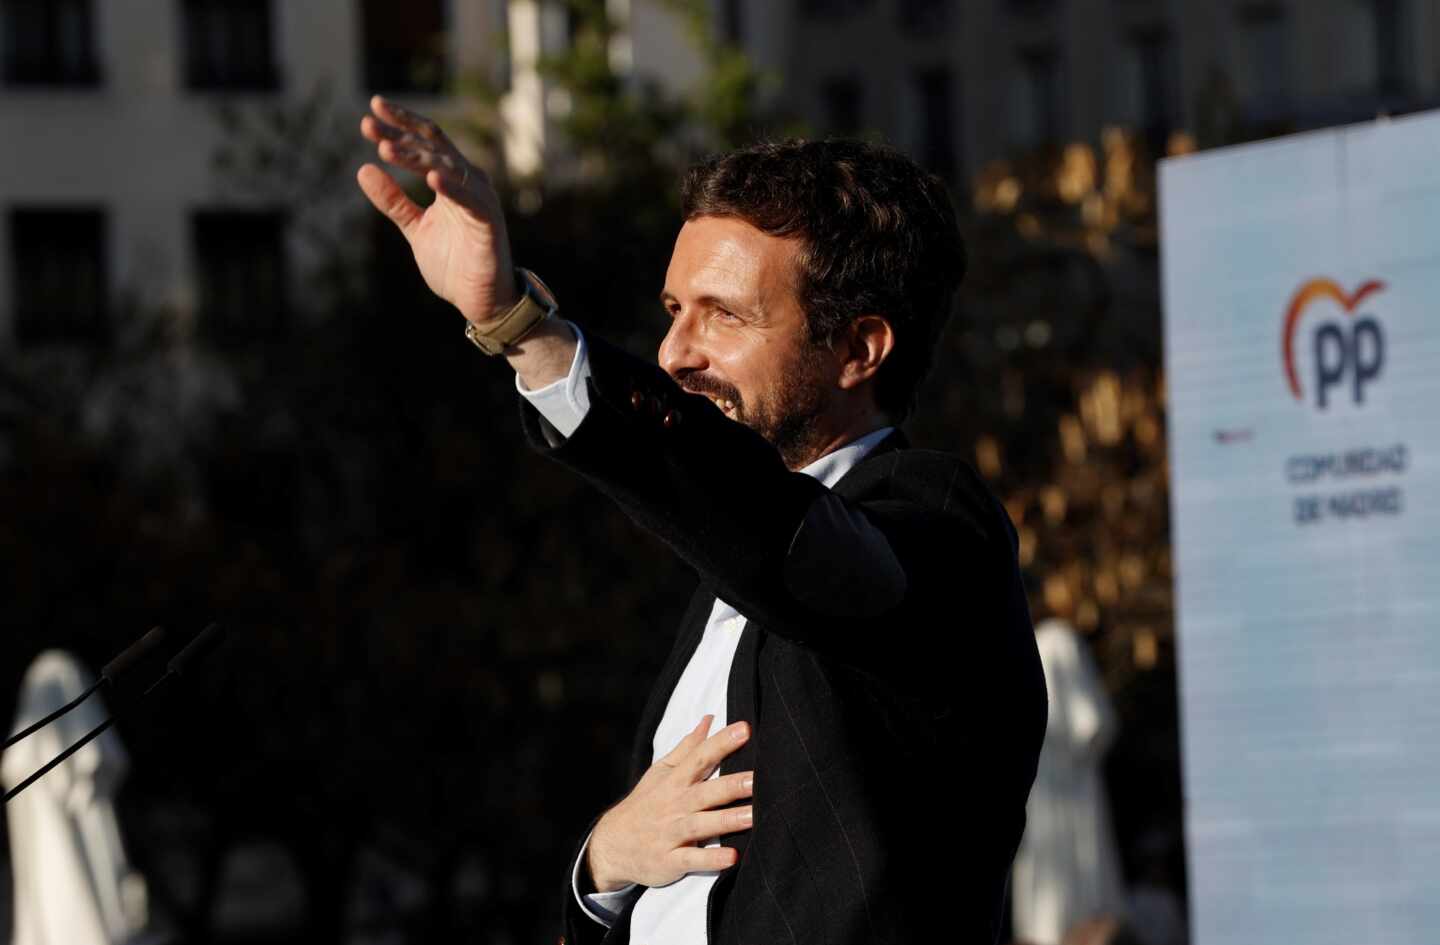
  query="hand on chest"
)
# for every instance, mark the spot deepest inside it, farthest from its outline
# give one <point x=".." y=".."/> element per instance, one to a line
<point x="703" y="687"/>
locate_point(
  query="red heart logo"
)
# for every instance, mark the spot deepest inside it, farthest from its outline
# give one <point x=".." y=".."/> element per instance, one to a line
<point x="1311" y="291"/>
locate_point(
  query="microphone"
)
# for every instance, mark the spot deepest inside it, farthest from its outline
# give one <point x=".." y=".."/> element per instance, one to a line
<point x="112" y="670"/>
<point x="132" y="654"/>
<point x="204" y="642"/>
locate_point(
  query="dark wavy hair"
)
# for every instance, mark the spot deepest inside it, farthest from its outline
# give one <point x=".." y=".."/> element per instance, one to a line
<point x="878" y="234"/>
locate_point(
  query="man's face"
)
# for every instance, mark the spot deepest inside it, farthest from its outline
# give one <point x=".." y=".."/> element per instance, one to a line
<point x="738" y="333"/>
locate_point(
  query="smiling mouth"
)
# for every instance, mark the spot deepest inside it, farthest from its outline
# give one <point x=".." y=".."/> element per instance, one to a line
<point x="726" y="405"/>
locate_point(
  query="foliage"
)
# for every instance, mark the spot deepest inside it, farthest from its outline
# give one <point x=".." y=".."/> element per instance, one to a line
<point x="622" y="128"/>
<point x="1051" y="381"/>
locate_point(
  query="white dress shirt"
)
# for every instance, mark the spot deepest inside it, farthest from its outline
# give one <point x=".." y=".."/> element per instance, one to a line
<point x="674" y="914"/>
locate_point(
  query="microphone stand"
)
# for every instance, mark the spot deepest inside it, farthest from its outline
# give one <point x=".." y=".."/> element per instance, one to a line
<point x="114" y="668"/>
<point x="202" y="644"/>
<point x="67" y="707"/>
<point x="90" y="736"/>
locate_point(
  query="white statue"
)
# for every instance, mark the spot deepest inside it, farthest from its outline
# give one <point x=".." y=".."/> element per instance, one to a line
<point x="73" y="882"/>
<point x="1067" y="869"/>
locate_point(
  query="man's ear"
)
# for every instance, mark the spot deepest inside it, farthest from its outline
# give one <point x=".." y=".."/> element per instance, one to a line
<point x="863" y="347"/>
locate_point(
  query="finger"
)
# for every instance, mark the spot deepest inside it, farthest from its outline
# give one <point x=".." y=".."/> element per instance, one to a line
<point x="706" y="859"/>
<point x="451" y="184"/>
<point x="413" y="155"/>
<point x="468" y="186"/>
<point x="708" y="754"/>
<point x="404" y="118"/>
<point x="717" y="792"/>
<point x="689" y="741"/>
<point x="388" y="198"/>
<point x="709" y="824"/>
<point x="373" y="129"/>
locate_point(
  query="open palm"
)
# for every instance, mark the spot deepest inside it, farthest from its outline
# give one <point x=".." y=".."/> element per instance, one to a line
<point x="459" y="241"/>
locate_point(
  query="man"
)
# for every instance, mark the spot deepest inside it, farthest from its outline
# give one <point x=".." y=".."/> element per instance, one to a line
<point x="860" y="623"/>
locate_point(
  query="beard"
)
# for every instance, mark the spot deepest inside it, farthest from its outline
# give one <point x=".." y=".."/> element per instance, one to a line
<point x="787" y="416"/>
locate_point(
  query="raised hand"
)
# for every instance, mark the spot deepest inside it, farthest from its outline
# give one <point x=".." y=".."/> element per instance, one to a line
<point x="652" y="837"/>
<point x="459" y="241"/>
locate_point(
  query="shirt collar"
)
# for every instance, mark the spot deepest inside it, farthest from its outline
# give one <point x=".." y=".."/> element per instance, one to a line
<point x="831" y="467"/>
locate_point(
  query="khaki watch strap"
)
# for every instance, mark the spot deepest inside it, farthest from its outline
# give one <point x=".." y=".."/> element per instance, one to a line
<point x="536" y="304"/>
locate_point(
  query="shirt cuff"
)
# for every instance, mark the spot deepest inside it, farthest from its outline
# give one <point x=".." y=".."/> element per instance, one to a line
<point x="603" y="907"/>
<point x="565" y="402"/>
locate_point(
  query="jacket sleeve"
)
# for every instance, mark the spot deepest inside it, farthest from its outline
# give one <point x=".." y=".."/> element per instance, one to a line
<point x="770" y="541"/>
<point x="603" y="907"/>
<point x="580" y="927"/>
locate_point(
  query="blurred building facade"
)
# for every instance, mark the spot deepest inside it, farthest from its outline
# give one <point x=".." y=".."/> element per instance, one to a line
<point x="960" y="84"/>
<point x="109" y="191"/>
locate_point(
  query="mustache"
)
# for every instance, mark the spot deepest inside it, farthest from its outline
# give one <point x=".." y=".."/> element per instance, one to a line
<point x="698" y="383"/>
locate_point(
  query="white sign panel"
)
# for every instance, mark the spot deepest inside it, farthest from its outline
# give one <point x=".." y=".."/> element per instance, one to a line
<point x="1302" y="328"/>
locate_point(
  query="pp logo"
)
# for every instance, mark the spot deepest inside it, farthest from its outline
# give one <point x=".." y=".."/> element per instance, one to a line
<point x="1347" y="353"/>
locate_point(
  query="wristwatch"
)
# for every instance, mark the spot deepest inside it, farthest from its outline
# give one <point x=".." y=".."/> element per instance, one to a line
<point x="536" y="304"/>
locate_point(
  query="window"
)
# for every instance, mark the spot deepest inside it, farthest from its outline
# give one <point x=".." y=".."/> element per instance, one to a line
<point x="501" y="65"/>
<point x="49" y="42"/>
<point x="229" y="45"/>
<point x="576" y="22"/>
<point x="1265" y="57"/>
<point x="732" y="21"/>
<point x="935" y="145"/>
<point x="1036" y="91"/>
<point x="1378" y="64"/>
<point x="841" y="100"/>
<point x="1148" y="82"/>
<point x="1391" y="61"/>
<point x="240" y="274"/>
<point x="405" y="45"/>
<point x="59" y="275"/>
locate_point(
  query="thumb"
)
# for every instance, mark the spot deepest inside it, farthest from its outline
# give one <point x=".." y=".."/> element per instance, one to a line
<point x="388" y="198"/>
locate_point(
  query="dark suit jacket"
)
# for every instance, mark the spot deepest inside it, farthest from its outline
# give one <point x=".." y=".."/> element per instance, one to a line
<point x="895" y="731"/>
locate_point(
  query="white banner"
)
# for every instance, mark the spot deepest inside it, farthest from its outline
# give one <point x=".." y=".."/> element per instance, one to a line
<point x="1302" y="329"/>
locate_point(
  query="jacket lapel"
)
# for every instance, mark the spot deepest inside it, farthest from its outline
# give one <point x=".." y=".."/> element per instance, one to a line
<point x="745" y="669"/>
<point x="740" y="705"/>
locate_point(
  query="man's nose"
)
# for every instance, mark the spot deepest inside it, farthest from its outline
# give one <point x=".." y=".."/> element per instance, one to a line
<point x="680" y="350"/>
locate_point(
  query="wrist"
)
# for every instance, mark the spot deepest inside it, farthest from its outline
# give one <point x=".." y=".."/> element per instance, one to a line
<point x="543" y="356"/>
<point x="596" y="877"/>
<point x="507" y="293"/>
<point x="504" y="326"/>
